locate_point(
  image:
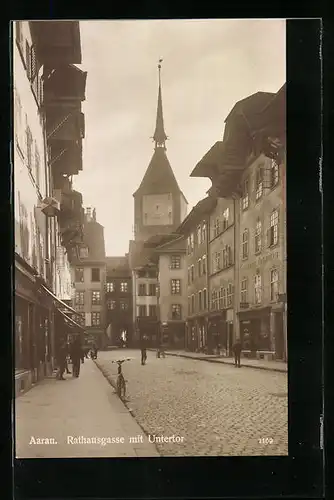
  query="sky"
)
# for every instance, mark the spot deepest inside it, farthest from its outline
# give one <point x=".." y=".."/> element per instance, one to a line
<point x="208" y="65"/>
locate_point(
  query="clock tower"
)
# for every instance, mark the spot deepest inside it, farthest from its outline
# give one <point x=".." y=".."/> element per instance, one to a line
<point x="159" y="204"/>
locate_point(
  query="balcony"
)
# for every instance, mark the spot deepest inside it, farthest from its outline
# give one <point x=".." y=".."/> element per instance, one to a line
<point x="64" y="84"/>
<point x="66" y="157"/>
<point x="57" y="42"/>
<point x="64" y="123"/>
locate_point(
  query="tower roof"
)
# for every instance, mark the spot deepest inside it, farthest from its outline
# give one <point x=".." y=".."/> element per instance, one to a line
<point x="159" y="177"/>
<point x="160" y="136"/>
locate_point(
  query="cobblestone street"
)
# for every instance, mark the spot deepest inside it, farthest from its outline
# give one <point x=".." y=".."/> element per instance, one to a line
<point x="217" y="409"/>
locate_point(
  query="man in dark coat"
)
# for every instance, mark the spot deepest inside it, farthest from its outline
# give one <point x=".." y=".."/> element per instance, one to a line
<point x="76" y="356"/>
<point x="143" y="347"/>
<point x="61" y="359"/>
<point x="237" y="348"/>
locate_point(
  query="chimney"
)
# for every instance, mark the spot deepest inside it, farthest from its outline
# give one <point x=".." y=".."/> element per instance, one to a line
<point x="88" y="214"/>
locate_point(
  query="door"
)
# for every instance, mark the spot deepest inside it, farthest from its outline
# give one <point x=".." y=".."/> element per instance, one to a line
<point x="230" y="338"/>
<point x="279" y="335"/>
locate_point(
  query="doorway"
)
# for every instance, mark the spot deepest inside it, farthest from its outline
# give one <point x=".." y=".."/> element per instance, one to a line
<point x="279" y="335"/>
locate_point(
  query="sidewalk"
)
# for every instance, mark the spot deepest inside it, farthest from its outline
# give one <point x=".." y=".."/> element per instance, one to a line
<point x="277" y="366"/>
<point x="85" y="407"/>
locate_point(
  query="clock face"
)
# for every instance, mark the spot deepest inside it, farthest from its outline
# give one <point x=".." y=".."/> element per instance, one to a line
<point x="158" y="209"/>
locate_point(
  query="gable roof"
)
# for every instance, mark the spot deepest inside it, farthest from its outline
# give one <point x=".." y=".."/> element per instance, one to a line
<point x="159" y="177"/>
<point x="178" y="244"/>
<point x="203" y="207"/>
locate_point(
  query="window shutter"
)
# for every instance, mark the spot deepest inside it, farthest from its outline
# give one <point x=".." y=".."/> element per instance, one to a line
<point x="33" y="63"/>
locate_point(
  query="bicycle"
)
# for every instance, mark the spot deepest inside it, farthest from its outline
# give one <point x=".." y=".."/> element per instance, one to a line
<point x="120" y="384"/>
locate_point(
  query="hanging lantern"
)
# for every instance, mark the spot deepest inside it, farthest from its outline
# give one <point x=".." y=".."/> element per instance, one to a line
<point x="50" y="206"/>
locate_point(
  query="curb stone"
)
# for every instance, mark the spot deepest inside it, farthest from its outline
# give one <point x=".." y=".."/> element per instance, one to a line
<point x="113" y="384"/>
<point x="221" y="361"/>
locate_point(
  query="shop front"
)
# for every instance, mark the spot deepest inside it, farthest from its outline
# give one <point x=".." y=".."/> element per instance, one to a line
<point x="191" y="335"/>
<point x="218" y="332"/>
<point x="255" y="331"/>
<point x="173" y="334"/>
<point x="149" y="328"/>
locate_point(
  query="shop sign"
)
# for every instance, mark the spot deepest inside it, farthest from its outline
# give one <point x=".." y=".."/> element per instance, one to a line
<point x="260" y="261"/>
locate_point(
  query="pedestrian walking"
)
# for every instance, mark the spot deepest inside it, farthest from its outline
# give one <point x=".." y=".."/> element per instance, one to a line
<point x="67" y="359"/>
<point x="76" y="356"/>
<point x="237" y="348"/>
<point x="94" y="352"/>
<point x="61" y="360"/>
<point x="143" y="349"/>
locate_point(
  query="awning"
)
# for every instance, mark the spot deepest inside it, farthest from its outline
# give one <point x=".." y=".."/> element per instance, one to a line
<point x="63" y="304"/>
<point x="67" y="318"/>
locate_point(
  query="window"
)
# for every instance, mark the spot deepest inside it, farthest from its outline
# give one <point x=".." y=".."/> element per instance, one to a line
<point x="152" y="311"/>
<point x="95" y="274"/>
<point x="217" y="261"/>
<point x="124" y="305"/>
<point x="224" y="298"/>
<point x="258" y="289"/>
<point x="244" y="291"/>
<point x="274" y="174"/>
<point x="152" y="289"/>
<point x="200" y="300"/>
<point x="214" y="300"/>
<point x="141" y="310"/>
<point x="96" y="298"/>
<point x="230" y="293"/>
<point x="37" y="166"/>
<point x="96" y="318"/>
<point x="141" y="289"/>
<point x="29" y="143"/>
<point x="274" y="285"/>
<point x="79" y="298"/>
<point x="124" y="286"/>
<point x="33" y="63"/>
<point x="220" y="298"/>
<point x="204" y="231"/>
<point x="199" y="265"/>
<point x="190" y="243"/>
<point x="189" y="305"/>
<point x="204" y="264"/>
<point x="199" y="235"/>
<point x="111" y="304"/>
<point x="259" y="183"/>
<point x="226" y="215"/>
<point x="227" y="256"/>
<point x="216" y="227"/>
<point x="176" y="311"/>
<point x="193" y="303"/>
<point x="258" y="236"/>
<point x="84" y="252"/>
<point x="245" y="195"/>
<point x="110" y="287"/>
<point x="176" y="287"/>
<point x="175" y="262"/>
<point x="192" y="273"/>
<point x="245" y="243"/>
<point x="273" y="231"/>
<point x="205" y="298"/>
<point x="189" y="276"/>
<point x="27" y="60"/>
<point x="79" y="275"/>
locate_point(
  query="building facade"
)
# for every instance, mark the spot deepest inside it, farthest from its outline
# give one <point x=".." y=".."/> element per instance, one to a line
<point x="159" y="208"/>
<point x="195" y="228"/>
<point x="249" y="168"/>
<point x="89" y="278"/>
<point x="42" y="267"/>
<point x="118" y="297"/>
<point x="262" y="258"/>
<point x="222" y="275"/>
<point x="172" y="292"/>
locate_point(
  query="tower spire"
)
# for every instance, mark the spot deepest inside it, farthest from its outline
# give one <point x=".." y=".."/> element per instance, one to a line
<point x="160" y="136"/>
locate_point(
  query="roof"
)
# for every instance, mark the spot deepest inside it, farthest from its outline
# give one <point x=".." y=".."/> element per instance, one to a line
<point x="251" y="105"/>
<point x="203" y="207"/>
<point x="159" y="177"/>
<point x="117" y="263"/>
<point x="178" y="244"/>
<point x="93" y="238"/>
<point x="140" y="255"/>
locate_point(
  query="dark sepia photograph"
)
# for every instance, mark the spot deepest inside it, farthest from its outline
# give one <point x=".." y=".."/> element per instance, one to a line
<point x="149" y="195"/>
